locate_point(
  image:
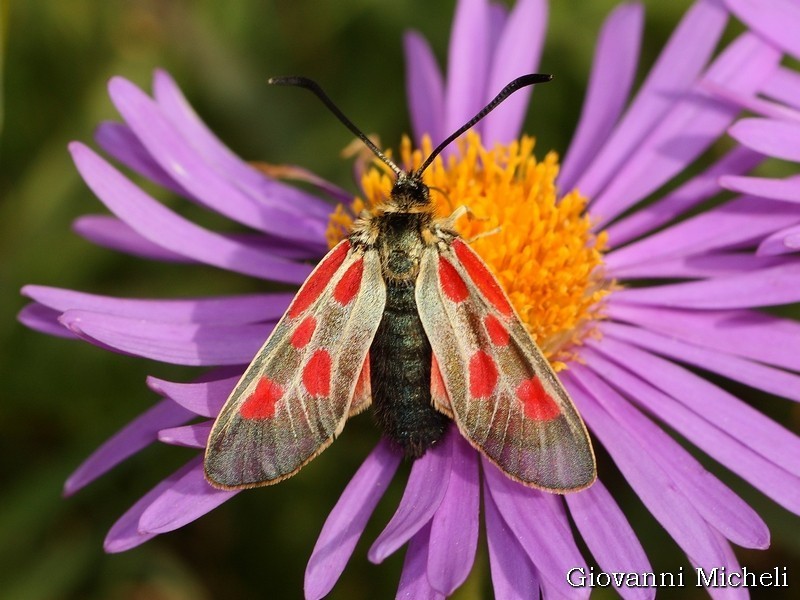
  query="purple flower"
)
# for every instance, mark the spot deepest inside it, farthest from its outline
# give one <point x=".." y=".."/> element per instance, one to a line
<point x="628" y="370"/>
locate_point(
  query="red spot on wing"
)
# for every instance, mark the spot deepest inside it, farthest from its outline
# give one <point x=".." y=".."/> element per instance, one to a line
<point x="317" y="374"/>
<point x="348" y="286"/>
<point x="482" y="375"/>
<point x="261" y="403"/>
<point x="452" y="284"/>
<point x="536" y="402"/>
<point x="496" y="330"/>
<point x="318" y="280"/>
<point x="482" y="278"/>
<point x="302" y="335"/>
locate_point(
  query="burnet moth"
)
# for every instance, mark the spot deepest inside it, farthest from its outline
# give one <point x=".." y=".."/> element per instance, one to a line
<point x="402" y="315"/>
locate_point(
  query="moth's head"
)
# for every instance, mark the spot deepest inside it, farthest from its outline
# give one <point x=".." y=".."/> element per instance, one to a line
<point x="409" y="191"/>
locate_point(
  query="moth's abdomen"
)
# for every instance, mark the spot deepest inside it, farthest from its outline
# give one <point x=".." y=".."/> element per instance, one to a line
<point x="400" y="375"/>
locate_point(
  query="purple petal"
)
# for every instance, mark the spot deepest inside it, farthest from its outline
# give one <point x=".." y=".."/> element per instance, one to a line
<point x="698" y="267"/>
<point x="690" y="194"/>
<point x="749" y="334"/>
<point x="203" y="398"/>
<point x="740" y="522"/>
<point x="609" y="536"/>
<point x="187" y="499"/>
<point x="163" y="227"/>
<point x="121" y="143"/>
<point x="109" y="232"/>
<point x="765" y="287"/>
<point x="742" y="220"/>
<point x="650" y="481"/>
<point x="190" y="436"/>
<point x="190" y="169"/>
<point x="347" y="520"/>
<point x="424" y="491"/>
<point x="778" y="20"/>
<point x="725" y="559"/>
<point x="781" y="242"/>
<point x="517" y="53"/>
<point x="424" y="88"/>
<point x="413" y="581"/>
<point x="468" y="63"/>
<point x="696" y="121"/>
<point x="454" y="528"/>
<point x="615" y="59"/>
<point x="787" y="190"/>
<point x="251" y="308"/>
<point x="125" y="534"/>
<point x="513" y="574"/>
<point x="136" y="435"/>
<point x="784" y="86"/>
<point x="175" y="343"/>
<point x="753" y="104"/>
<point x="780" y="139"/>
<point x="754" y="374"/>
<point x="540" y="526"/>
<point x="263" y="189"/>
<point x="44" y="320"/>
<point x="684" y="56"/>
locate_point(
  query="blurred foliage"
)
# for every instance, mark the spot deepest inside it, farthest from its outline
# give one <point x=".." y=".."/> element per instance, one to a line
<point x="61" y="399"/>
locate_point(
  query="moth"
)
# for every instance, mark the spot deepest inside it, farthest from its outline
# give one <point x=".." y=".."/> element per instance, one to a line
<point x="404" y="316"/>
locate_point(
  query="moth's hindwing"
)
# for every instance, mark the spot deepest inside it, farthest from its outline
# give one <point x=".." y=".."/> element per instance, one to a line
<point x="296" y="395"/>
<point x="500" y="389"/>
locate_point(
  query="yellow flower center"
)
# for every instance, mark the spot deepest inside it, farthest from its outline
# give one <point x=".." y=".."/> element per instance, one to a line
<point x="540" y="246"/>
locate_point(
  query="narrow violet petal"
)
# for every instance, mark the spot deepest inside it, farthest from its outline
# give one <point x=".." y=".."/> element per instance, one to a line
<point x="190" y="436"/>
<point x="698" y="267"/>
<point x="787" y="190"/>
<point x="251" y="308"/>
<point x="204" y="399"/>
<point x="750" y="334"/>
<point x="136" y="435"/>
<point x="615" y="58"/>
<point x="779" y="139"/>
<point x="125" y="534"/>
<point x="187" y="499"/>
<point x="413" y="581"/>
<point x="517" y="53"/>
<point x="423" y="495"/>
<point x="175" y="343"/>
<point x="424" y="88"/>
<point x="161" y="226"/>
<point x="750" y="103"/>
<point x="742" y="220"/>
<point x="542" y="530"/>
<point x="190" y="169"/>
<point x="741" y="421"/>
<point x="513" y="574"/>
<point x="111" y="233"/>
<point x="693" y="192"/>
<point x="468" y="64"/>
<point x="696" y="121"/>
<point x="44" y="320"/>
<point x="682" y="59"/>
<point x="716" y="503"/>
<point x="778" y="21"/>
<point x="648" y="478"/>
<point x="784" y="86"/>
<point x="762" y="473"/>
<point x="347" y="520"/>
<point x="781" y="242"/>
<point x="121" y="143"/>
<point x="263" y="189"/>
<point x="609" y="536"/>
<point x="765" y="287"/>
<point x="756" y="375"/>
<point x="454" y="527"/>
<point x="726" y="560"/>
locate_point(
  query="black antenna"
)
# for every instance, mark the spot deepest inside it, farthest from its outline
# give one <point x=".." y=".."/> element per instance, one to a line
<point x="517" y="84"/>
<point x="314" y="87"/>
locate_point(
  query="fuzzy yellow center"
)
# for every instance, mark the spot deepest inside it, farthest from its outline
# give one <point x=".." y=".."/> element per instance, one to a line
<point x="540" y="246"/>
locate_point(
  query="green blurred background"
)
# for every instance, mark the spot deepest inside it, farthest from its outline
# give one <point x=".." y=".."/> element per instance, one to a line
<point x="60" y="399"/>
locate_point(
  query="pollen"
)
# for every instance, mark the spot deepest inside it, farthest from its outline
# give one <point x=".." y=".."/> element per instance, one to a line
<point x="537" y="242"/>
